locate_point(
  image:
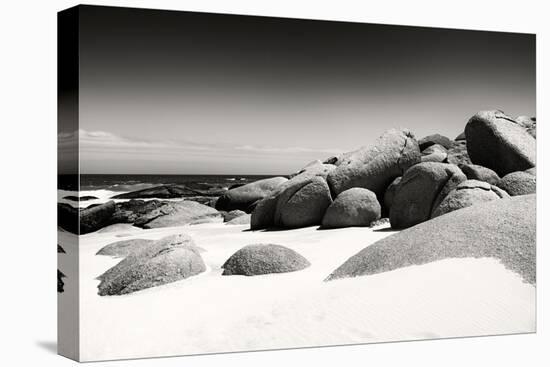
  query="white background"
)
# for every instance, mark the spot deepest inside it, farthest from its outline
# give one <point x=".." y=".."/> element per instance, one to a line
<point x="28" y="160"/>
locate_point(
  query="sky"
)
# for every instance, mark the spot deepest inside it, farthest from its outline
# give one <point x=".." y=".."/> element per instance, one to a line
<point x="192" y="93"/>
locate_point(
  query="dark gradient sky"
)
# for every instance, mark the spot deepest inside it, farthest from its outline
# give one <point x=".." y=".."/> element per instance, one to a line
<point x="177" y="92"/>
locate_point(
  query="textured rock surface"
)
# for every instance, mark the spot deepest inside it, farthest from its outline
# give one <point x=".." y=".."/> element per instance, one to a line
<point x="243" y="197"/>
<point x="434" y="153"/>
<point x="164" y="261"/>
<point x="519" y="183"/>
<point x="179" y="213"/>
<point x="458" y="153"/>
<point x="263" y="215"/>
<point x="228" y="216"/>
<point x="468" y="193"/>
<point x="497" y="141"/>
<point x="389" y="195"/>
<point x="430" y="140"/>
<point x="124" y="248"/>
<point x="172" y="192"/>
<point x="96" y="217"/>
<point x="353" y="207"/>
<point x="480" y="173"/>
<point x="302" y="203"/>
<point x="502" y="229"/>
<point x="422" y="188"/>
<point x="374" y="167"/>
<point x="243" y="219"/>
<point x="264" y="259"/>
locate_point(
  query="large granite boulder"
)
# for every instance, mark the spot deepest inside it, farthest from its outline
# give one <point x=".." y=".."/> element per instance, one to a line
<point x="389" y="195"/>
<point x="137" y="211"/>
<point x="228" y="216"/>
<point x="374" y="167"/>
<point x="263" y="215"/>
<point x="434" y="153"/>
<point x="501" y="229"/>
<point x="164" y="261"/>
<point x="458" y="153"/>
<point x="519" y="183"/>
<point x="243" y="197"/>
<point x="468" y="193"/>
<point x="420" y="191"/>
<point x="96" y="217"/>
<point x="67" y="217"/>
<point x="124" y="248"/>
<point x="174" y="214"/>
<point x="430" y="140"/>
<point x="315" y="168"/>
<point x="264" y="259"/>
<point x="355" y="207"/>
<point x="243" y="219"/>
<point x="497" y="141"/>
<point x="480" y="173"/>
<point x="302" y="203"/>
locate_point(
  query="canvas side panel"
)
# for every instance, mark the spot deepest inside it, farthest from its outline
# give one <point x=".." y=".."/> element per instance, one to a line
<point x="68" y="185"/>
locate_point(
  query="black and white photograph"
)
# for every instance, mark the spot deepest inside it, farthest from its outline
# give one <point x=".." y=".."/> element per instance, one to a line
<point x="232" y="183"/>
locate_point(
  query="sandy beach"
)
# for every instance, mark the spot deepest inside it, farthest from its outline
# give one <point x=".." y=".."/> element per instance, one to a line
<point x="212" y="313"/>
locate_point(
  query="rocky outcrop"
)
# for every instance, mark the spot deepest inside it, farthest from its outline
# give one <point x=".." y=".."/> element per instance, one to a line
<point x="390" y="194"/>
<point x="422" y="188"/>
<point x="263" y="215"/>
<point x="434" y="153"/>
<point x="243" y="197"/>
<point x="519" y="183"/>
<point x="125" y="248"/>
<point x="497" y="141"/>
<point x="433" y="139"/>
<point x="82" y="198"/>
<point x="164" y="261"/>
<point x="356" y="207"/>
<point x="374" y="167"/>
<point x="173" y="214"/>
<point x="502" y="229"/>
<point x="170" y="192"/>
<point x="458" y="153"/>
<point x="264" y="259"/>
<point x="96" y="217"/>
<point x="468" y="193"/>
<point x="302" y="203"/>
<point x="67" y="217"/>
<point x="480" y="173"/>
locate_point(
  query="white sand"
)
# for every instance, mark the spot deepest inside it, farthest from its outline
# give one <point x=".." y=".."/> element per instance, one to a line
<point x="213" y="313"/>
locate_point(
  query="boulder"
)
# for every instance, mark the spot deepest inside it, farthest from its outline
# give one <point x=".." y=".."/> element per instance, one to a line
<point x="355" y="207"/>
<point x="460" y="136"/>
<point x="137" y="211"/>
<point x="120" y="228"/>
<point x="164" y="261"/>
<point x="390" y="194"/>
<point x="529" y="123"/>
<point x="264" y="259"/>
<point x="243" y="197"/>
<point x="243" y="219"/>
<point x="374" y="167"/>
<point x="422" y="188"/>
<point x="96" y="217"/>
<point x="302" y="203"/>
<point x="501" y="229"/>
<point x="434" y="153"/>
<point x="480" y="173"/>
<point x="497" y="141"/>
<point x="228" y="216"/>
<point x="519" y="183"/>
<point x="430" y="140"/>
<point x="468" y="193"/>
<point x="263" y="215"/>
<point x="173" y="214"/>
<point x="316" y="168"/>
<point x="458" y="153"/>
<point x="67" y="217"/>
<point x="124" y="248"/>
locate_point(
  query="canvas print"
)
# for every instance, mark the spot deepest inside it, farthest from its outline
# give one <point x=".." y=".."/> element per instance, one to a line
<point x="238" y="183"/>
